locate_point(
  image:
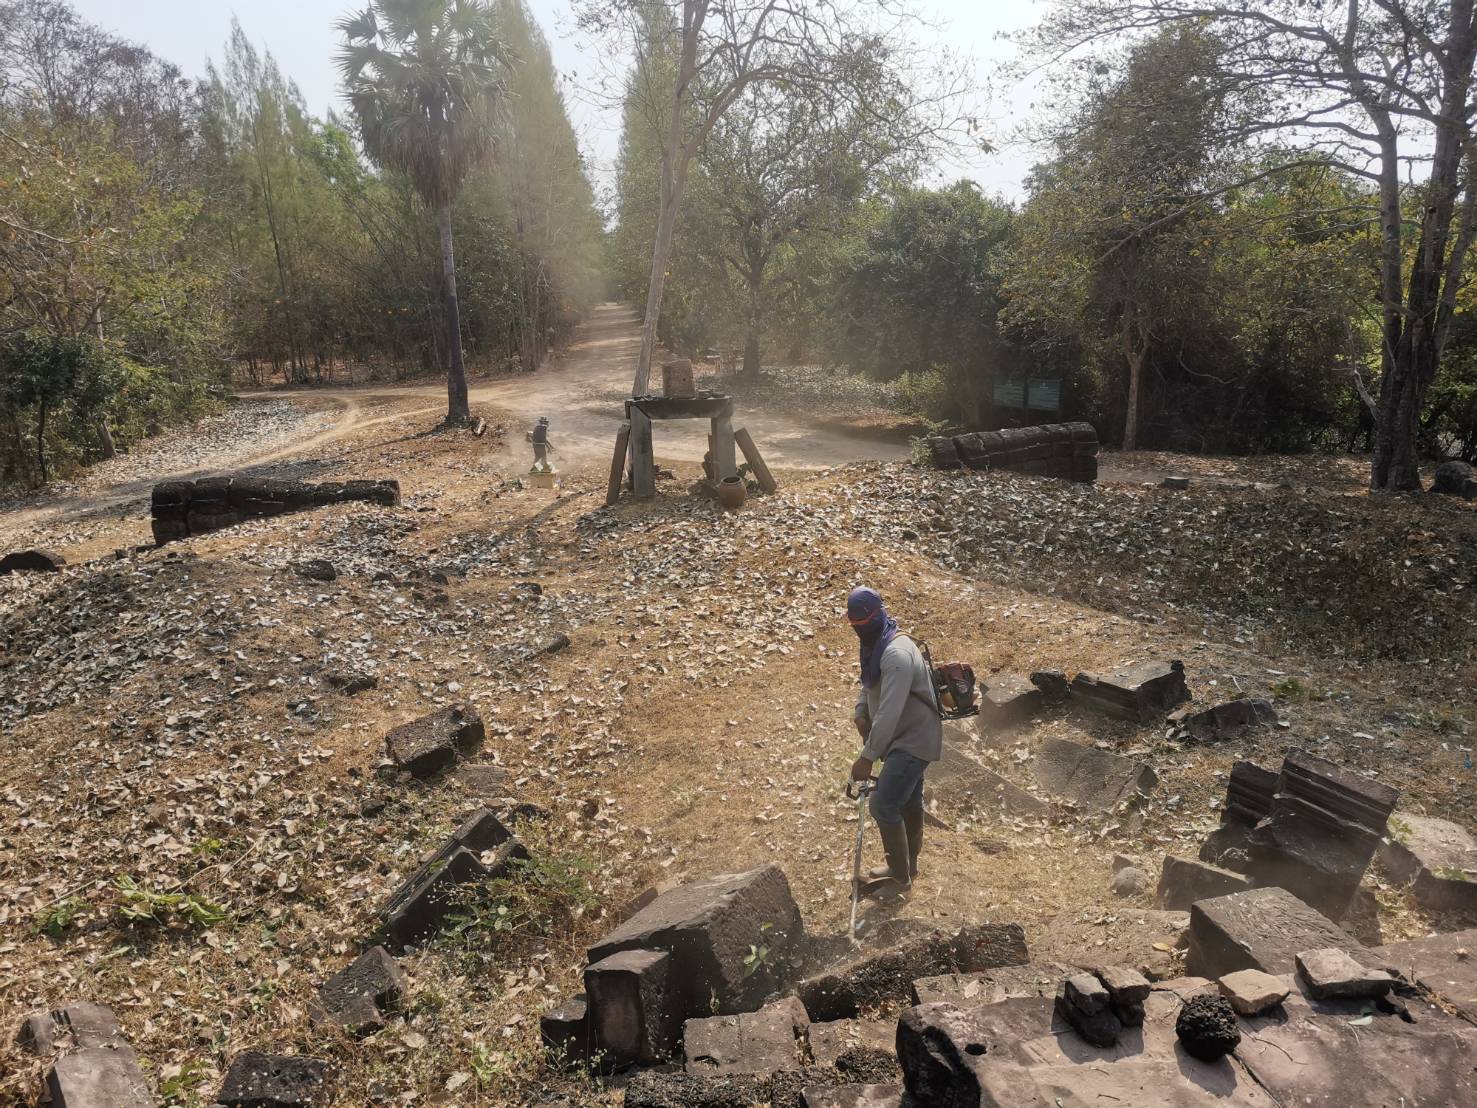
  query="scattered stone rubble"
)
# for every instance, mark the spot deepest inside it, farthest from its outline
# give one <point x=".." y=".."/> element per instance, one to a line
<point x="1252" y="992"/>
<point x="1065" y="450"/>
<point x="1249" y="794"/>
<point x="1207" y="1027"/>
<point x="32" y="561"/>
<point x="362" y="994"/>
<point x="1443" y="965"/>
<point x="1053" y="685"/>
<point x="1454" y="478"/>
<point x="680" y="957"/>
<point x="770" y="1039"/>
<point x="1436" y="858"/>
<point x="1129" y="881"/>
<point x="1183" y="881"/>
<point x="1007" y="700"/>
<point x="1034" y="979"/>
<point x="1263" y="929"/>
<point x="1005" y="1034"/>
<point x="1313" y="829"/>
<point x="1085" y="1002"/>
<point x="256" y="1079"/>
<point x="1139" y="693"/>
<point x="1321" y="833"/>
<point x="433" y="743"/>
<point x="1127" y="991"/>
<point x="961" y="1019"/>
<point x="184" y="508"/>
<point x="95" y="1067"/>
<point x="634" y="1005"/>
<point x="1232" y="718"/>
<point x="1333" y="974"/>
<point x="873" y="980"/>
<point x="480" y="849"/>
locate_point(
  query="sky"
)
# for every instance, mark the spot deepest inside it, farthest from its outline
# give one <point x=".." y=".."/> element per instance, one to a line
<point x="301" y="36"/>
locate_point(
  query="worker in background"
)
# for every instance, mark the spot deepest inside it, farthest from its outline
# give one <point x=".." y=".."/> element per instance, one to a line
<point x="899" y="724"/>
<point x="539" y="436"/>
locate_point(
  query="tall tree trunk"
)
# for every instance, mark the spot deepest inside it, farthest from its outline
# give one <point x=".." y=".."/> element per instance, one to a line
<point x="105" y="443"/>
<point x="1133" y="354"/>
<point x="41" y="441"/>
<point x="751" y="335"/>
<point x="675" y="156"/>
<point x="457" y="408"/>
<point x="1412" y="363"/>
<point x="751" y="352"/>
<point x="661" y="256"/>
<point x="298" y="372"/>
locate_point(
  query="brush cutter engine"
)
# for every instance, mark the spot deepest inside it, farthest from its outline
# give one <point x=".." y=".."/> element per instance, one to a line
<point x="954" y="692"/>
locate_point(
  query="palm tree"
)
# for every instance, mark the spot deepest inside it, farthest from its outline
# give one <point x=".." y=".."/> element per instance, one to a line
<point x="424" y="78"/>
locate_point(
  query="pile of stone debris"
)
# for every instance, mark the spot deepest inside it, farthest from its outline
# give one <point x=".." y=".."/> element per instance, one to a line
<point x="1139" y="693"/>
<point x="179" y="509"/>
<point x="1278" y="1002"/>
<point x="712" y="993"/>
<point x="1065" y="450"/>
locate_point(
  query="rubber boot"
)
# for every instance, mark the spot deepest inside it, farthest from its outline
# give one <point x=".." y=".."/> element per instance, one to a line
<point x="913" y="823"/>
<point x="897" y="876"/>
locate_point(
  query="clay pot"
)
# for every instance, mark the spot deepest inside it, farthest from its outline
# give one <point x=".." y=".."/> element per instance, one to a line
<point x="731" y="492"/>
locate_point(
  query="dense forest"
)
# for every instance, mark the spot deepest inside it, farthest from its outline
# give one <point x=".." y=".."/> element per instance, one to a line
<point x="1192" y="267"/>
<point x="166" y="237"/>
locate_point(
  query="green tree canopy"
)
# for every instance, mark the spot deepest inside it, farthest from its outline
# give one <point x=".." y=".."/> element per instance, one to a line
<point x="425" y="78"/>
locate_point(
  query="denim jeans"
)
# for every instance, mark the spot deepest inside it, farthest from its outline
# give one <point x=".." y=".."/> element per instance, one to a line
<point x="899" y="787"/>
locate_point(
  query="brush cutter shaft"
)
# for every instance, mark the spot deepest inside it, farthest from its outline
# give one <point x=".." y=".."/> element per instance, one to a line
<point x="860" y="790"/>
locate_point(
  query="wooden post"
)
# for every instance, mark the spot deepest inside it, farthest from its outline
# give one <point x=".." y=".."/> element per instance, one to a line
<point x="643" y="457"/>
<point x="725" y="463"/>
<point x="756" y="463"/>
<point x="618" y="464"/>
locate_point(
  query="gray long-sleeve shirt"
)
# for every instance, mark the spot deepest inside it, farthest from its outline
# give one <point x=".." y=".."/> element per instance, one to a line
<point x="900" y="706"/>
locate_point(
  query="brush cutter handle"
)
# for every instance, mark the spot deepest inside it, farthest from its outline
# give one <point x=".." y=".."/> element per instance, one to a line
<point x="855" y="789"/>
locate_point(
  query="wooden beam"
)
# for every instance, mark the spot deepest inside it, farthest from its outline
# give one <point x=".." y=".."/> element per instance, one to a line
<point x="643" y="457"/>
<point x="618" y="464"/>
<point x="682" y="407"/>
<point x="756" y="463"/>
<point x="725" y="463"/>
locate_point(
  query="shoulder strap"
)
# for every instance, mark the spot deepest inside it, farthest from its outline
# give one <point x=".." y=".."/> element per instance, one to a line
<point x="933" y="688"/>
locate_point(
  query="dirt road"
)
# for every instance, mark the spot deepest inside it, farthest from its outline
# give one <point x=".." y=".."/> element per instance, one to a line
<point x="580" y="392"/>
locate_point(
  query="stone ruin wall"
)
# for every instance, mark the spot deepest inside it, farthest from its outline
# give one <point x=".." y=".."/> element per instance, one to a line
<point x="1065" y="450"/>
<point x="184" y="508"/>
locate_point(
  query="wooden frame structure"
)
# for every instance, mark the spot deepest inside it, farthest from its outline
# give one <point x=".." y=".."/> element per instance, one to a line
<point x="716" y="408"/>
<point x="633" y="439"/>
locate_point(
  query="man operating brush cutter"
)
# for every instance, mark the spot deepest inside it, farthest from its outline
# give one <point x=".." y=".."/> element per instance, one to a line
<point x="897" y="716"/>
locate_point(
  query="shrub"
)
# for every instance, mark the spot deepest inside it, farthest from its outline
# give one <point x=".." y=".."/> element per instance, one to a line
<point x="926" y="393"/>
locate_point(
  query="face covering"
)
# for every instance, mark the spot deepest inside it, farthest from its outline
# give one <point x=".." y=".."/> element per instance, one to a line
<point x="874" y="627"/>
